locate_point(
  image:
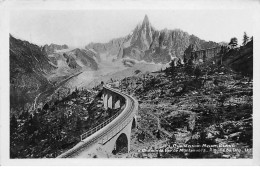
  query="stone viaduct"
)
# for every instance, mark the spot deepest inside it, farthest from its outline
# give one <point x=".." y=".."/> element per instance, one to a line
<point x="112" y="135"/>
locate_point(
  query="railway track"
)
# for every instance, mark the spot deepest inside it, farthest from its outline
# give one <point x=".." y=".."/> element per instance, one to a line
<point x="121" y="121"/>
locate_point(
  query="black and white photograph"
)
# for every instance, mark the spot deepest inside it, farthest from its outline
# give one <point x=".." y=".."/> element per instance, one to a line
<point x="130" y="83"/>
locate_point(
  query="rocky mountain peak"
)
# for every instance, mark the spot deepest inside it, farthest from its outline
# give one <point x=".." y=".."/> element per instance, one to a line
<point x="146" y="20"/>
<point x="151" y="45"/>
<point x="50" y="49"/>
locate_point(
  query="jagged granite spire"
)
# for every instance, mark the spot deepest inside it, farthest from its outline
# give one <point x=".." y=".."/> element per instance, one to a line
<point x="146" y="20"/>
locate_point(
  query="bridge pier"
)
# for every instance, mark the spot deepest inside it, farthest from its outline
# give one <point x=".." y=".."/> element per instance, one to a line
<point x="105" y="98"/>
<point x="111" y="100"/>
<point x="114" y="99"/>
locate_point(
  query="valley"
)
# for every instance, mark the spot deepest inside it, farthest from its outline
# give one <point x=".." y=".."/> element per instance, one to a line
<point x="194" y="95"/>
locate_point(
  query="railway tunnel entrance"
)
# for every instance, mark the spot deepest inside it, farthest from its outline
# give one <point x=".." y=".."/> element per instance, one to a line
<point x="121" y="145"/>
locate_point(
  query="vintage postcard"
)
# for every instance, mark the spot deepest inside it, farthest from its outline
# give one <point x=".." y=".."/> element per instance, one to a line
<point x="168" y="81"/>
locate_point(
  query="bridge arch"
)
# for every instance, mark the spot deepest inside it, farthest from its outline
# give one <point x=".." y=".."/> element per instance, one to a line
<point x="121" y="144"/>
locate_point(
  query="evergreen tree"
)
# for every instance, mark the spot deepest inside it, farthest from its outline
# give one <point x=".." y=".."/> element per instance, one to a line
<point x="78" y="125"/>
<point x="32" y="124"/>
<point x="245" y="39"/>
<point x="189" y="66"/>
<point x="172" y="69"/>
<point x="13" y="124"/>
<point x="233" y="42"/>
<point x="195" y="56"/>
<point x="204" y="56"/>
<point x="172" y="65"/>
<point x="197" y="72"/>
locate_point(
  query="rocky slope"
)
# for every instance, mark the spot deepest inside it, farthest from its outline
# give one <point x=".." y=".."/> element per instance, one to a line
<point x="183" y="114"/>
<point x="29" y="67"/>
<point x="240" y="59"/>
<point x="73" y="61"/>
<point x="69" y="61"/>
<point x="35" y="69"/>
<point x="112" y="48"/>
<point x="148" y="44"/>
<point x="49" y="49"/>
<point x="82" y="58"/>
<point x="53" y="129"/>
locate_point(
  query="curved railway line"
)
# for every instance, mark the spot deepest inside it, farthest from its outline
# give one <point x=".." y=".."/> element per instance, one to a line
<point x="117" y="124"/>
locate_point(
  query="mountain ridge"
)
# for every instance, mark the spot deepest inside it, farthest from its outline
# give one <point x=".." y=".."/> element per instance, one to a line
<point x="151" y="45"/>
<point x="49" y="49"/>
<point x="35" y="69"/>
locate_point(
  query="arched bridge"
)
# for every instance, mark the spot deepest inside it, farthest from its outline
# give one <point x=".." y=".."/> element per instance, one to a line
<point x="112" y="135"/>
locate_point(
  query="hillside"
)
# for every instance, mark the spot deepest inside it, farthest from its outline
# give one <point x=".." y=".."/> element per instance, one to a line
<point x="29" y="67"/>
<point x="53" y="129"/>
<point x="240" y="59"/>
<point x="34" y="69"/>
<point x="201" y="113"/>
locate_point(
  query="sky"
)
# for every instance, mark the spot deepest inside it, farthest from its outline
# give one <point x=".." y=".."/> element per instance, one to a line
<point x="79" y="27"/>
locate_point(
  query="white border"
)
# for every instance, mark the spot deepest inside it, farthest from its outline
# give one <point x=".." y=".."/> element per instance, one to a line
<point x="6" y="6"/>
